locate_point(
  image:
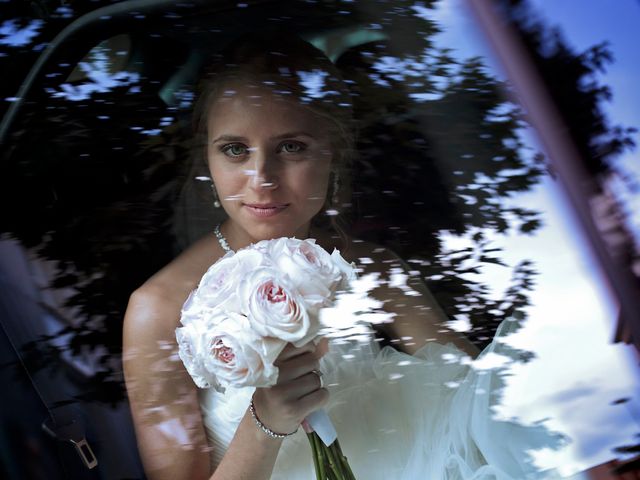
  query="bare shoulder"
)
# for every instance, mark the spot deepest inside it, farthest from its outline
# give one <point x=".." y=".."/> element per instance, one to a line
<point x="159" y="389"/>
<point x="154" y="307"/>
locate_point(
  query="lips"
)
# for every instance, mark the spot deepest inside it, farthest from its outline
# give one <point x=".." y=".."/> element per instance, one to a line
<point x="266" y="205"/>
<point x="263" y="210"/>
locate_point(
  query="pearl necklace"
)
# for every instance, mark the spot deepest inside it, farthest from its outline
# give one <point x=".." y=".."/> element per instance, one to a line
<point x="221" y="240"/>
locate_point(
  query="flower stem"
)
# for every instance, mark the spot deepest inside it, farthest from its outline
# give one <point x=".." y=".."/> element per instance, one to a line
<point x="315" y="454"/>
<point x="329" y="462"/>
<point x="344" y="461"/>
<point x="321" y="457"/>
<point x="333" y="462"/>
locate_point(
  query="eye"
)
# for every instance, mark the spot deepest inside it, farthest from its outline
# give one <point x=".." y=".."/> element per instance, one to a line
<point x="234" y="149"/>
<point x="292" y="147"/>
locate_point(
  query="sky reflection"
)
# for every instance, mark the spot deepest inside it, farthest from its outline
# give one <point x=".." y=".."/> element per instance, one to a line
<point x="577" y="372"/>
<point x="13" y="35"/>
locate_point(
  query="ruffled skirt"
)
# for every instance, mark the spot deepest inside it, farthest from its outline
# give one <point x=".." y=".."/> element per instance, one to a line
<point x="401" y="417"/>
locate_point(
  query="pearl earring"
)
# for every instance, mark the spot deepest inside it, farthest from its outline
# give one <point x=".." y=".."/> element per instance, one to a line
<point x="216" y="201"/>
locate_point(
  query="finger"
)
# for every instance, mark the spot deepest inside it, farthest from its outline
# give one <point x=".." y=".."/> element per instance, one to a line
<point x="314" y="379"/>
<point x="297" y="388"/>
<point x="314" y="400"/>
<point x="291" y="351"/>
<point x="319" y="348"/>
<point x="308" y="383"/>
<point x="297" y="367"/>
<point x="322" y="348"/>
<point x="306" y="427"/>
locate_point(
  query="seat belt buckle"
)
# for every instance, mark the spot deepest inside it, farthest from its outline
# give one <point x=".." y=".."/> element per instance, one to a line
<point x="73" y="433"/>
<point x="86" y="454"/>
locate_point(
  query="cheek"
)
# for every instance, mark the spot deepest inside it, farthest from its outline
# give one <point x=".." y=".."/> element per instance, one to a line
<point x="314" y="180"/>
<point x="318" y="173"/>
<point x="226" y="178"/>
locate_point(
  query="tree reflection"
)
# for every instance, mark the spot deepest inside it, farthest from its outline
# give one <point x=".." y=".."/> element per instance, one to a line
<point x="94" y="179"/>
<point x="441" y="155"/>
<point x="439" y="150"/>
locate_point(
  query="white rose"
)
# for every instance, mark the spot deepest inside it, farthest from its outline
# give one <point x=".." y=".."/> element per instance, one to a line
<point x="348" y="270"/>
<point x="310" y="268"/>
<point x="217" y="288"/>
<point x="237" y="357"/>
<point x="262" y="246"/>
<point x="191" y="351"/>
<point x="189" y="312"/>
<point x="275" y="308"/>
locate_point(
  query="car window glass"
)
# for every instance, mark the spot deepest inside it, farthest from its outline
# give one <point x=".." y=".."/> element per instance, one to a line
<point x="448" y="175"/>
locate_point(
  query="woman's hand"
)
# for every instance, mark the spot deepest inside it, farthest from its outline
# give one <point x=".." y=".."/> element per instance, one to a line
<point x="298" y="391"/>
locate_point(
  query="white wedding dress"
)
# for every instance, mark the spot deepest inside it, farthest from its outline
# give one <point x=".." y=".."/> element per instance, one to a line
<point x="400" y="417"/>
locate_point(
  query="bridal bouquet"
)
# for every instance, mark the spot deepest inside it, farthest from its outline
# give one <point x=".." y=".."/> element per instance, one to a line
<point x="247" y="307"/>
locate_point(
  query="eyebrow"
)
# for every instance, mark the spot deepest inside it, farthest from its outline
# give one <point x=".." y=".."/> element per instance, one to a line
<point x="235" y="138"/>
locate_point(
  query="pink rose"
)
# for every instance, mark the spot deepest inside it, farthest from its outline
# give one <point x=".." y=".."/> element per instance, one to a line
<point x="313" y="272"/>
<point x="274" y="307"/>
<point x="191" y="350"/>
<point x="226" y="352"/>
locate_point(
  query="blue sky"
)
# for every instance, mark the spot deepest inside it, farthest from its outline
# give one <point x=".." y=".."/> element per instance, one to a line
<point x="577" y="372"/>
<point x="585" y="23"/>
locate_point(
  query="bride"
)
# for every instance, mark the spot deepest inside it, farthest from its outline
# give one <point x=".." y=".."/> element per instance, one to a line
<point x="274" y="118"/>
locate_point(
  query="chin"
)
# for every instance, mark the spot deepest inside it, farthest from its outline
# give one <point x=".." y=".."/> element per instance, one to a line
<point x="268" y="231"/>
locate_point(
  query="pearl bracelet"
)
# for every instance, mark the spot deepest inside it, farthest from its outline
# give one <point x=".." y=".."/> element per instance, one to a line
<point x="263" y="427"/>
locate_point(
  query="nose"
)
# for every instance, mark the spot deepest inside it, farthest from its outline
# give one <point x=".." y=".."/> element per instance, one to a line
<point x="265" y="175"/>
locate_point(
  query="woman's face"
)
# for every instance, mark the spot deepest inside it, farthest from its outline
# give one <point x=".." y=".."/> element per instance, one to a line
<point x="270" y="160"/>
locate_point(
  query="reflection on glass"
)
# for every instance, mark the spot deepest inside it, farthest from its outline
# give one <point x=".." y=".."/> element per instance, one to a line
<point x="15" y="35"/>
<point x="568" y="298"/>
<point x="415" y="165"/>
<point x="102" y="70"/>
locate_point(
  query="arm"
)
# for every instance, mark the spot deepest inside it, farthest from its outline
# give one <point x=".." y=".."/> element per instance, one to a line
<point x="163" y="398"/>
<point x="417" y="316"/>
<point x="165" y="407"/>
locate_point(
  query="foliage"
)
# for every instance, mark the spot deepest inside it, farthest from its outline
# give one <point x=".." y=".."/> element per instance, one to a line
<point x="89" y="196"/>
<point x="439" y="151"/>
<point x="572" y="81"/>
<point x="93" y="182"/>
